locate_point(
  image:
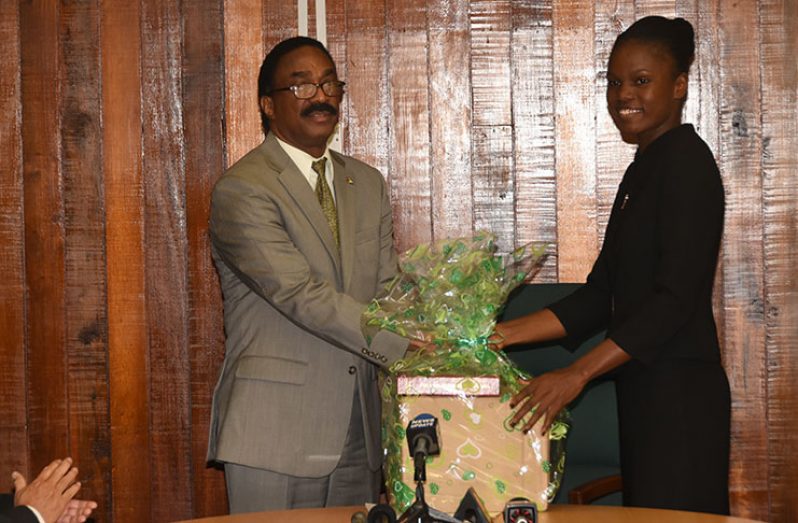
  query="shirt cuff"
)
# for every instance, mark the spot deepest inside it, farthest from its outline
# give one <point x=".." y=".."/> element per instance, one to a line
<point x="36" y="513"/>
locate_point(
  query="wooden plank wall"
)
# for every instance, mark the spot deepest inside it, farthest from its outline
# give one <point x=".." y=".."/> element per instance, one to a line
<point x="116" y="118"/>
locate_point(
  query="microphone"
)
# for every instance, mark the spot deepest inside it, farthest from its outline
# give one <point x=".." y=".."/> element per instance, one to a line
<point x="423" y="439"/>
<point x="380" y="514"/>
<point x="520" y="510"/>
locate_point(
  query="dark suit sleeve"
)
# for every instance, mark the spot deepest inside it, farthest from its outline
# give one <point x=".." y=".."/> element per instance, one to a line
<point x="690" y="222"/>
<point x="11" y="514"/>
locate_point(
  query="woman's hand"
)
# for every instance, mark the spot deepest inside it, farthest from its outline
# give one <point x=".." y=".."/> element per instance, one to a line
<point x="554" y="390"/>
<point x="497" y="340"/>
<point x="541" y="325"/>
<point x="550" y="393"/>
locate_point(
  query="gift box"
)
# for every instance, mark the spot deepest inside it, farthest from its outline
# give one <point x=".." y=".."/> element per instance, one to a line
<point x="448" y="295"/>
<point x="479" y="448"/>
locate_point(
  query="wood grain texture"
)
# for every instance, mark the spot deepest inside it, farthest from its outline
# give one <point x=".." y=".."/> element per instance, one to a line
<point x="450" y="113"/>
<point x="490" y="61"/>
<point x="243" y="54"/>
<point x="574" y="138"/>
<point x="203" y="135"/>
<point x="13" y="436"/>
<point x="84" y="224"/>
<point x="165" y="259"/>
<point x="278" y="22"/>
<point x="492" y="175"/>
<point x="128" y="353"/>
<point x="655" y="7"/>
<point x="47" y="404"/>
<point x="532" y="59"/>
<point x="778" y="30"/>
<point x="337" y="44"/>
<point x="409" y="123"/>
<point x="742" y="251"/>
<point x="366" y="106"/>
<point x="706" y="69"/>
<point x="690" y="10"/>
<point x="493" y="183"/>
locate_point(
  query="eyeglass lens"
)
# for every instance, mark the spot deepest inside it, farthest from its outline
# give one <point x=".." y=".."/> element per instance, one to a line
<point x="330" y="88"/>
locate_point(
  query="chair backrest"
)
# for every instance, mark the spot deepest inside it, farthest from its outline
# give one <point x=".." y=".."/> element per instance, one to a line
<point x="592" y="445"/>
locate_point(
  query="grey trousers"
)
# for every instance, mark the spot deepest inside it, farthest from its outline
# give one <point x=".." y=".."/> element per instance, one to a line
<point x="350" y="483"/>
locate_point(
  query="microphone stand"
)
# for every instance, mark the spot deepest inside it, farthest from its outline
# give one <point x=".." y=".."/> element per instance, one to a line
<point x="419" y="511"/>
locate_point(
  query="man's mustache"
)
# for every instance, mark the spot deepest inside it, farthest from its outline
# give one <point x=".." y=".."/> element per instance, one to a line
<point x="319" y="107"/>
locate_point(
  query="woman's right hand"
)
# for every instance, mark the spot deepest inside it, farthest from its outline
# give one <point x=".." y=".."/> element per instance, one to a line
<point x="538" y="326"/>
<point x="497" y="340"/>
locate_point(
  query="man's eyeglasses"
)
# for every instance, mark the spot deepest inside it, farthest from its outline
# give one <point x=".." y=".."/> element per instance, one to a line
<point x="308" y="90"/>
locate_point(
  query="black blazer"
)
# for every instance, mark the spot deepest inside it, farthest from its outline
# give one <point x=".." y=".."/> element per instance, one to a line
<point x="651" y="285"/>
<point x="11" y="514"/>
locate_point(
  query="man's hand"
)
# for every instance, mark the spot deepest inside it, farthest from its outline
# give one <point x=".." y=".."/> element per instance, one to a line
<point x="51" y="492"/>
<point x="77" y="511"/>
<point x="422" y="346"/>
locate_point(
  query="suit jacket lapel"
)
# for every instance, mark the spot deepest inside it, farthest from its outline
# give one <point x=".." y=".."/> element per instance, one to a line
<point x="304" y="196"/>
<point x="346" y="205"/>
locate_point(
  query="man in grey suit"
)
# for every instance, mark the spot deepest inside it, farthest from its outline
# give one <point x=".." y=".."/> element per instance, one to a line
<point x="303" y="239"/>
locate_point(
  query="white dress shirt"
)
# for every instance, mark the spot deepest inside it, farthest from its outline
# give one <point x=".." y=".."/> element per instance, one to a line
<point x="304" y="162"/>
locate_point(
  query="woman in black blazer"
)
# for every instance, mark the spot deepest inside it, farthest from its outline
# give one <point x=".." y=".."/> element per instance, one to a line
<point x="651" y="288"/>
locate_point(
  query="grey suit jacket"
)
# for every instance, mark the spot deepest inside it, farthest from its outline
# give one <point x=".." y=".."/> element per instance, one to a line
<point x="292" y="305"/>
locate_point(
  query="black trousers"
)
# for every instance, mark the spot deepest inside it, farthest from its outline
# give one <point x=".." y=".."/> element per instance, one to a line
<point x="675" y="435"/>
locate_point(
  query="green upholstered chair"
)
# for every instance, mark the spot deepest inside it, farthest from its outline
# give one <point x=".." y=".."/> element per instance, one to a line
<point x="592" y="465"/>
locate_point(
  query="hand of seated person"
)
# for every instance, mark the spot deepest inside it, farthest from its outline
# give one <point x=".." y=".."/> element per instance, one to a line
<point x="51" y="492"/>
<point x="77" y="511"/>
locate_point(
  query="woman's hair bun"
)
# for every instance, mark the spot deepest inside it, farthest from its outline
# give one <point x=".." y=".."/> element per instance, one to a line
<point x="675" y="35"/>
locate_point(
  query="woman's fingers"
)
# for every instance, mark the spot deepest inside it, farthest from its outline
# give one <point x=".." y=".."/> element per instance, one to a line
<point x="543" y="403"/>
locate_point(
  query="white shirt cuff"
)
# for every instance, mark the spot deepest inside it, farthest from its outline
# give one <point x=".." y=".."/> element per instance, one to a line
<point x="36" y="513"/>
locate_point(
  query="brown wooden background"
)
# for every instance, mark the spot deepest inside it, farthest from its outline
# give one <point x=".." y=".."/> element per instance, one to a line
<point x="116" y="117"/>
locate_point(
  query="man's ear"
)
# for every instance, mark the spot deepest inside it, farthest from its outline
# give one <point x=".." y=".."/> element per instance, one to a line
<point x="680" y="87"/>
<point x="267" y="106"/>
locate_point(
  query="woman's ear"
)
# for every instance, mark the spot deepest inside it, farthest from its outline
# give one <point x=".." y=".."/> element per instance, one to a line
<point x="680" y="87"/>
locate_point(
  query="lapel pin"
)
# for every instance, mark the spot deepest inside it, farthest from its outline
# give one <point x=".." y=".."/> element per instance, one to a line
<point x="350" y="181"/>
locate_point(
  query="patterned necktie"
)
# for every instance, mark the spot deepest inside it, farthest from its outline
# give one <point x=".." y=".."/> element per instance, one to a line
<point x="324" y="194"/>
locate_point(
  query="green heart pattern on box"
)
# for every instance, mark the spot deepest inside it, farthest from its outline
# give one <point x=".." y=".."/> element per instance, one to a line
<point x="478" y="447"/>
